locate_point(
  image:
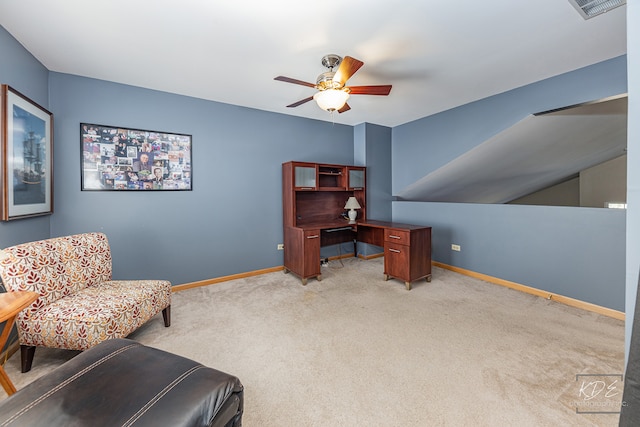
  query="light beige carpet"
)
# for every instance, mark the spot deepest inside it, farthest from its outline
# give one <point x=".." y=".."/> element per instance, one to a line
<point x="355" y="350"/>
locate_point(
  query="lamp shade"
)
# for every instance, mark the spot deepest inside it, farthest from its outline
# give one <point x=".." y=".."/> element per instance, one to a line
<point x="352" y="203"/>
<point x="331" y="99"/>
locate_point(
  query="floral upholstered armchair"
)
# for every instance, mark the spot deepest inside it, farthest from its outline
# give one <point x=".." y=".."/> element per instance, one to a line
<point x="79" y="304"/>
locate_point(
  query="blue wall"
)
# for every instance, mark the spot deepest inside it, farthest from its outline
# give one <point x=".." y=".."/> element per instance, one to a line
<point x="232" y="220"/>
<point x="20" y="70"/>
<point x="372" y="148"/>
<point x="575" y="252"/>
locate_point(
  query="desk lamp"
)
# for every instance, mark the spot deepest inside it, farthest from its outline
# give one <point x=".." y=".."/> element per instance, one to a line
<point x="352" y="205"/>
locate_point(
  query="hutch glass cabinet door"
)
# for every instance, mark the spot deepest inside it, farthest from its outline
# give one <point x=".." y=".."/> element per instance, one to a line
<point x="356" y="179"/>
<point x="305" y="177"/>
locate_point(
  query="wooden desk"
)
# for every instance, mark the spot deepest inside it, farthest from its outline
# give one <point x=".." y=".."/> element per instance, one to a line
<point x="407" y="249"/>
<point x="314" y="196"/>
<point x="11" y="303"/>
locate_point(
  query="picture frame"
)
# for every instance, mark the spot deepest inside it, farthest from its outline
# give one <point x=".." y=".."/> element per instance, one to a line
<point x="115" y="158"/>
<point x="26" y="159"/>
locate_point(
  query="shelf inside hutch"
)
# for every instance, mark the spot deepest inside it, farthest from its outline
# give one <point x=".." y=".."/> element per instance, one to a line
<point x="331" y="178"/>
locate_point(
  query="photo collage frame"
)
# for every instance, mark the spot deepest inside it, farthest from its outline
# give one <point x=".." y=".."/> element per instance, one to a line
<point x="122" y="159"/>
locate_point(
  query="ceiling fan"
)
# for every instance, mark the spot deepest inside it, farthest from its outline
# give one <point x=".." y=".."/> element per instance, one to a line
<point x="332" y="93"/>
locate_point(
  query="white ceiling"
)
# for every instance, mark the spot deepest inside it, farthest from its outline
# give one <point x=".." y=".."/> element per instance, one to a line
<point x="436" y="54"/>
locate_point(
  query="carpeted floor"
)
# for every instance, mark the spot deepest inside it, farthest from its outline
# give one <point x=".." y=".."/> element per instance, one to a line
<point x="355" y="350"/>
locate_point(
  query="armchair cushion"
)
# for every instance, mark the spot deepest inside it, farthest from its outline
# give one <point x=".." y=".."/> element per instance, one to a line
<point x="104" y="311"/>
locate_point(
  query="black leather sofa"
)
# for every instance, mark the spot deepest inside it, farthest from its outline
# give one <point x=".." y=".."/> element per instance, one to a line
<point x="123" y="383"/>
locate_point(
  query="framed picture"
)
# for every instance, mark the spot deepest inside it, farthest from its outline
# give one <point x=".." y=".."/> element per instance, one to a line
<point x="121" y="159"/>
<point x="26" y="166"/>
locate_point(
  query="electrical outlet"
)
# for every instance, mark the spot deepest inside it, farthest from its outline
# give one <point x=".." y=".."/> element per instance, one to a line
<point x="280" y="246"/>
<point x="455" y="247"/>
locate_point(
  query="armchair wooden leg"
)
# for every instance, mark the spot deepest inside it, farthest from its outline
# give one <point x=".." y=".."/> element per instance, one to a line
<point x="26" y="357"/>
<point x="166" y="315"/>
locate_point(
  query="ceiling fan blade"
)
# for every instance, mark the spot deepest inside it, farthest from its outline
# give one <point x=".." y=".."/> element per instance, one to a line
<point x="294" y="81"/>
<point x="370" y="90"/>
<point x="347" y="68"/>
<point x="302" y="101"/>
<point x="344" y="108"/>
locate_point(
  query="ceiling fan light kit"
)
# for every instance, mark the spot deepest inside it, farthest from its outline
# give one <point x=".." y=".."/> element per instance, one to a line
<point x="332" y="93"/>
<point x="331" y="99"/>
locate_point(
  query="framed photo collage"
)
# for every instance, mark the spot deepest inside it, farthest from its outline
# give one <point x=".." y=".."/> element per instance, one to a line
<point x="121" y="159"/>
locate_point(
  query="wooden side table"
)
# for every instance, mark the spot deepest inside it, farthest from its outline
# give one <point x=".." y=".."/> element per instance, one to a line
<point x="11" y="303"/>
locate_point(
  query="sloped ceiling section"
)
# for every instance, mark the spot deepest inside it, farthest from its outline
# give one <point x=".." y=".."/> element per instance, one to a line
<point x="541" y="150"/>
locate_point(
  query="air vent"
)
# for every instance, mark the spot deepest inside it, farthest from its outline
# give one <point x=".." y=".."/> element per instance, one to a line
<point x="590" y="8"/>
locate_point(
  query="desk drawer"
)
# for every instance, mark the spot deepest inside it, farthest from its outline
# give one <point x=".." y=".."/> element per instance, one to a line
<point x="401" y="237"/>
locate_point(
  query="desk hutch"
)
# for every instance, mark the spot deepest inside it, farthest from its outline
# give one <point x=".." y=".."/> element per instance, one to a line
<point x="313" y="199"/>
